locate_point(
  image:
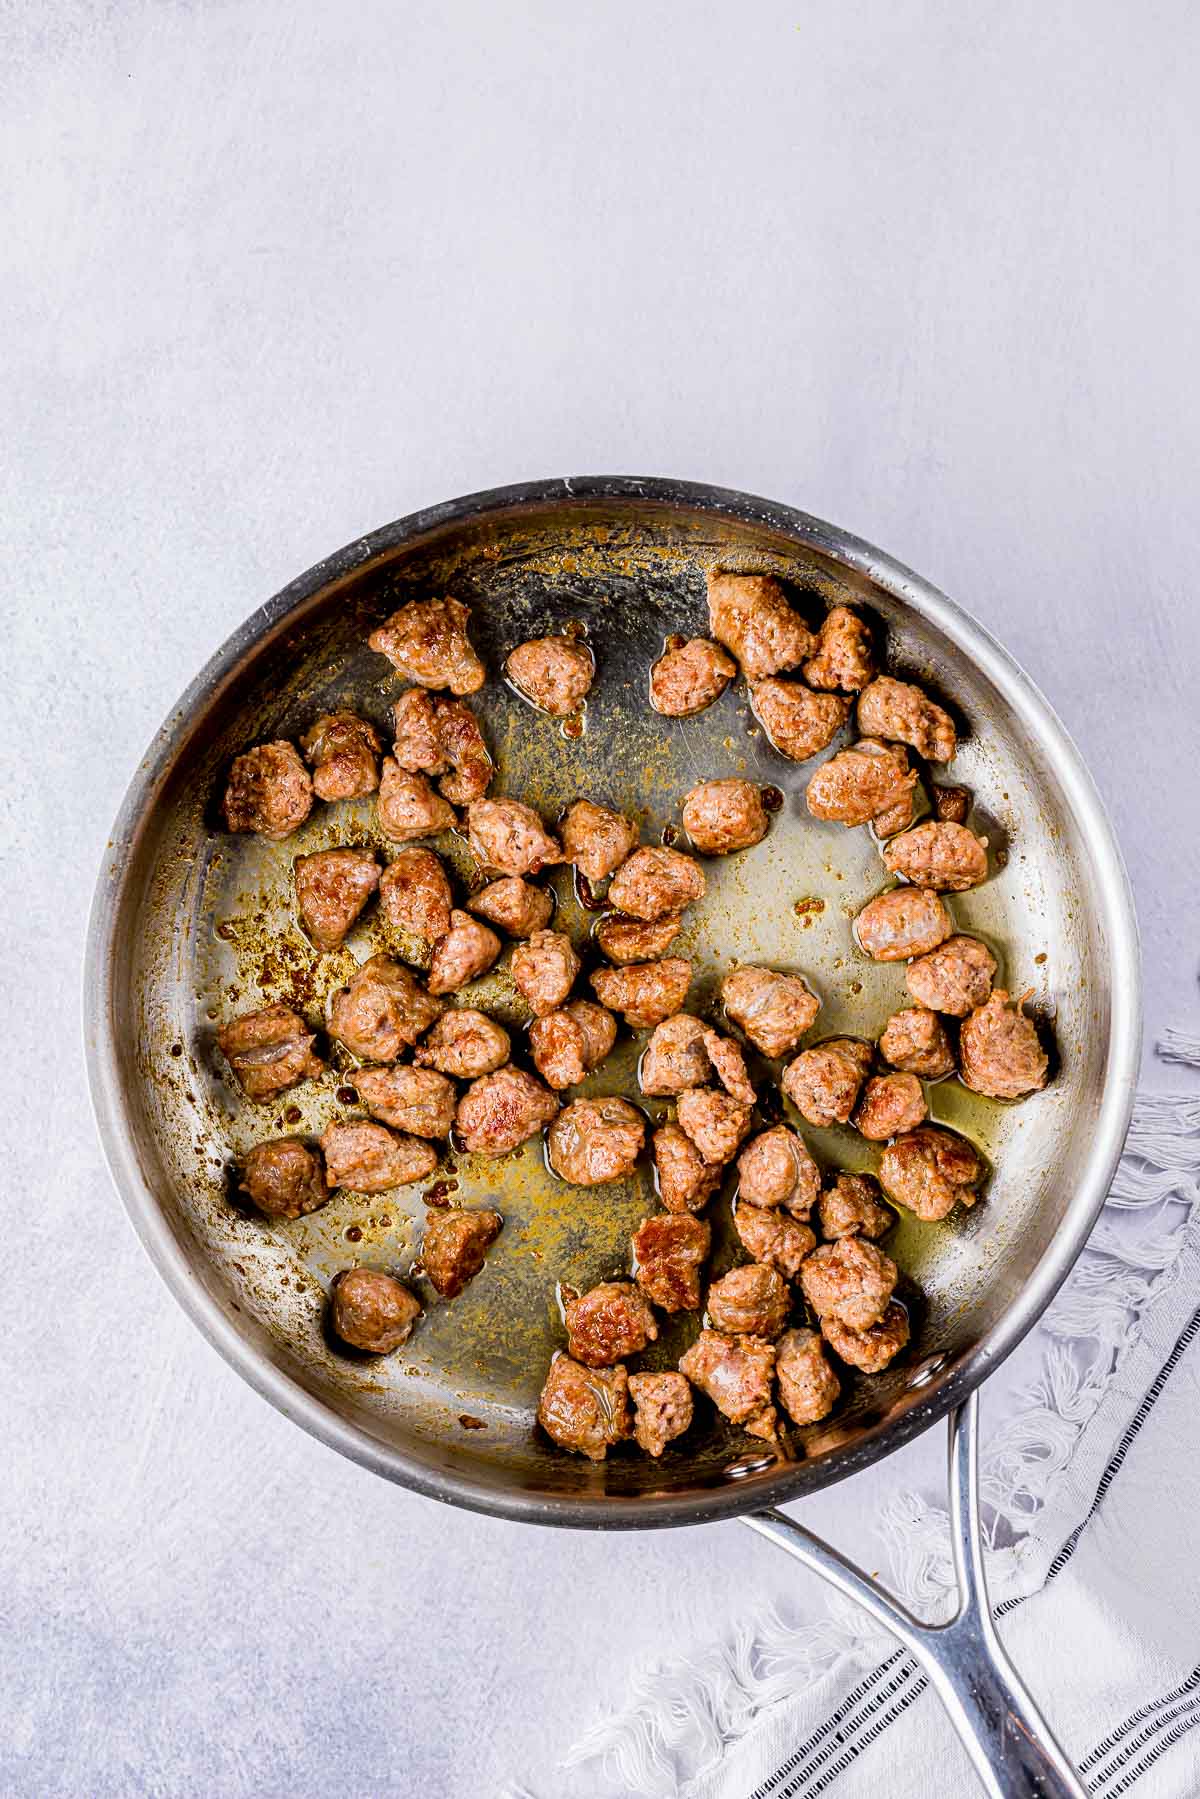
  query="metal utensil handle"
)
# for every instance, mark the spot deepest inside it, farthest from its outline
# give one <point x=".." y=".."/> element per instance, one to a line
<point x="1008" y="1740"/>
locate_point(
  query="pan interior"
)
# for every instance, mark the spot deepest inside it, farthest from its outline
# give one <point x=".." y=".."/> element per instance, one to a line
<point x="203" y="927"/>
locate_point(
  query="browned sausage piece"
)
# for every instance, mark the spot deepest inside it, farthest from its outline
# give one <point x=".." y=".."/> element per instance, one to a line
<point x="454" y="1246"/>
<point x="690" y="677"/>
<point x="950" y="803"/>
<point x="269" y="1051"/>
<point x="462" y="743"/>
<point x="662" y="1409"/>
<point x="869" y="1350"/>
<point x="914" y="1039"/>
<point x="608" y="1323"/>
<point x="371" y="1311"/>
<point x="585" y="1409"/>
<point x="464" y="1043"/>
<point x="417" y="1100"/>
<point x="775" y="1169"/>
<point x="753" y="1299"/>
<point x="381" y="1011"/>
<point x="890" y="1103"/>
<point x="644" y="993"/>
<point x="823" y="1082"/>
<point x="685" y="1181"/>
<point x="414" y="896"/>
<point x="510" y="837"/>
<point x="750" y="615"/>
<point x="498" y="1112"/>
<point x="633" y="940"/>
<point x="851" y="1208"/>
<point x="773" y="1010"/>
<point x="466" y="951"/>
<point x="284" y="1178"/>
<point x="808" y="1387"/>
<point x="515" y="905"/>
<point x="343" y="752"/>
<point x="774" y="1238"/>
<point x="427" y="640"/>
<point x="654" y="882"/>
<point x="407" y="807"/>
<point x="954" y="978"/>
<point x="368" y="1158"/>
<point x="594" y="1141"/>
<point x="929" y="1170"/>
<point x="417" y="745"/>
<point x="737" y="1373"/>
<point x="715" y="1122"/>
<point x="566" y="1045"/>
<point x="596" y="840"/>
<point x="850" y="1280"/>
<point x="908" y="921"/>
<point x="948" y="858"/>
<point x="553" y="673"/>
<point x="798" y="722"/>
<point x="999" y="1050"/>
<point x="723" y="816"/>
<point x="332" y="887"/>
<point x="675" y="1057"/>
<point x="543" y="971"/>
<point x="902" y="712"/>
<point x="844" y="657"/>
<point x="729" y="1066"/>
<point x="269" y="792"/>
<point x="864" y="784"/>
<point x="669" y="1250"/>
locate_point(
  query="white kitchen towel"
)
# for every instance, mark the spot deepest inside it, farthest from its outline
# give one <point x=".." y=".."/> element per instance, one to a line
<point x="1092" y="1494"/>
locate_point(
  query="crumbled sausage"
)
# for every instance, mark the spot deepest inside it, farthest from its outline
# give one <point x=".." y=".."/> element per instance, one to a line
<point x="343" y="752"/>
<point x="414" y="896"/>
<point x="929" y="1170"/>
<point x="633" y="939"/>
<point x="823" y="1082"/>
<point x="908" y="921"/>
<point x="773" y="1010"/>
<point x="332" y="887"/>
<point x="808" y="1387"/>
<point x="466" y="951"/>
<point x="775" y="1169"/>
<point x="914" y="1039"/>
<point x="950" y="803"/>
<point x="662" y="1409"/>
<point x="903" y="713"/>
<point x="750" y="615"/>
<point x="417" y="1100"/>
<point x="644" y="993"/>
<point x="729" y="1066"/>
<point x="381" y="1010"/>
<point x="608" y="1323"/>
<point x="675" y="1056"/>
<point x="408" y="807"/>
<point x="269" y="1051"/>
<point x="585" y="1409"/>
<point x="946" y="857"/>
<point x="594" y="1141"/>
<point x="515" y="905"/>
<point x="684" y="1180"/>
<point x="890" y="1104"/>
<point x="954" y="978"/>
<point x="498" y="1112"/>
<point x="372" y="1311"/>
<point x="737" y="1374"/>
<point x="851" y="1208"/>
<point x="669" y="1250"/>
<point x="715" y="1122"/>
<point x="723" y="816"/>
<point x="543" y="970"/>
<point x="454" y="1246"/>
<point x="554" y="673"/>
<point x="774" y="1238"/>
<point x="861" y="785"/>
<point x="368" y="1158"/>
<point x="999" y="1050"/>
<point x="753" y="1299"/>
<point x="869" y="1350"/>
<point x="850" y="1280"/>
<point x="510" y="837"/>
<point x="464" y="1043"/>
<point x="427" y="640"/>
<point x="284" y="1178"/>
<point x="685" y="680"/>
<point x="798" y="722"/>
<point x="269" y="792"/>
<point x="843" y="659"/>
<point x="596" y="840"/>
<point x="468" y="755"/>
<point x="566" y="1045"/>
<point x="654" y="882"/>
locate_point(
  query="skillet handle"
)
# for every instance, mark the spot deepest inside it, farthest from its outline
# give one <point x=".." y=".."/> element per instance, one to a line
<point x="1009" y="1742"/>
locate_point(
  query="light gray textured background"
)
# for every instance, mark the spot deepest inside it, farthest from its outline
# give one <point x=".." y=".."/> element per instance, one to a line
<point x="272" y="274"/>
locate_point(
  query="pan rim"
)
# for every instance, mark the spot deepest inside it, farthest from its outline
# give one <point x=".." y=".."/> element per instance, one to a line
<point x="601" y="1511"/>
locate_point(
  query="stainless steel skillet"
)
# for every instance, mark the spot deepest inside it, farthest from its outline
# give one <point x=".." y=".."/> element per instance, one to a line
<point x="189" y="925"/>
